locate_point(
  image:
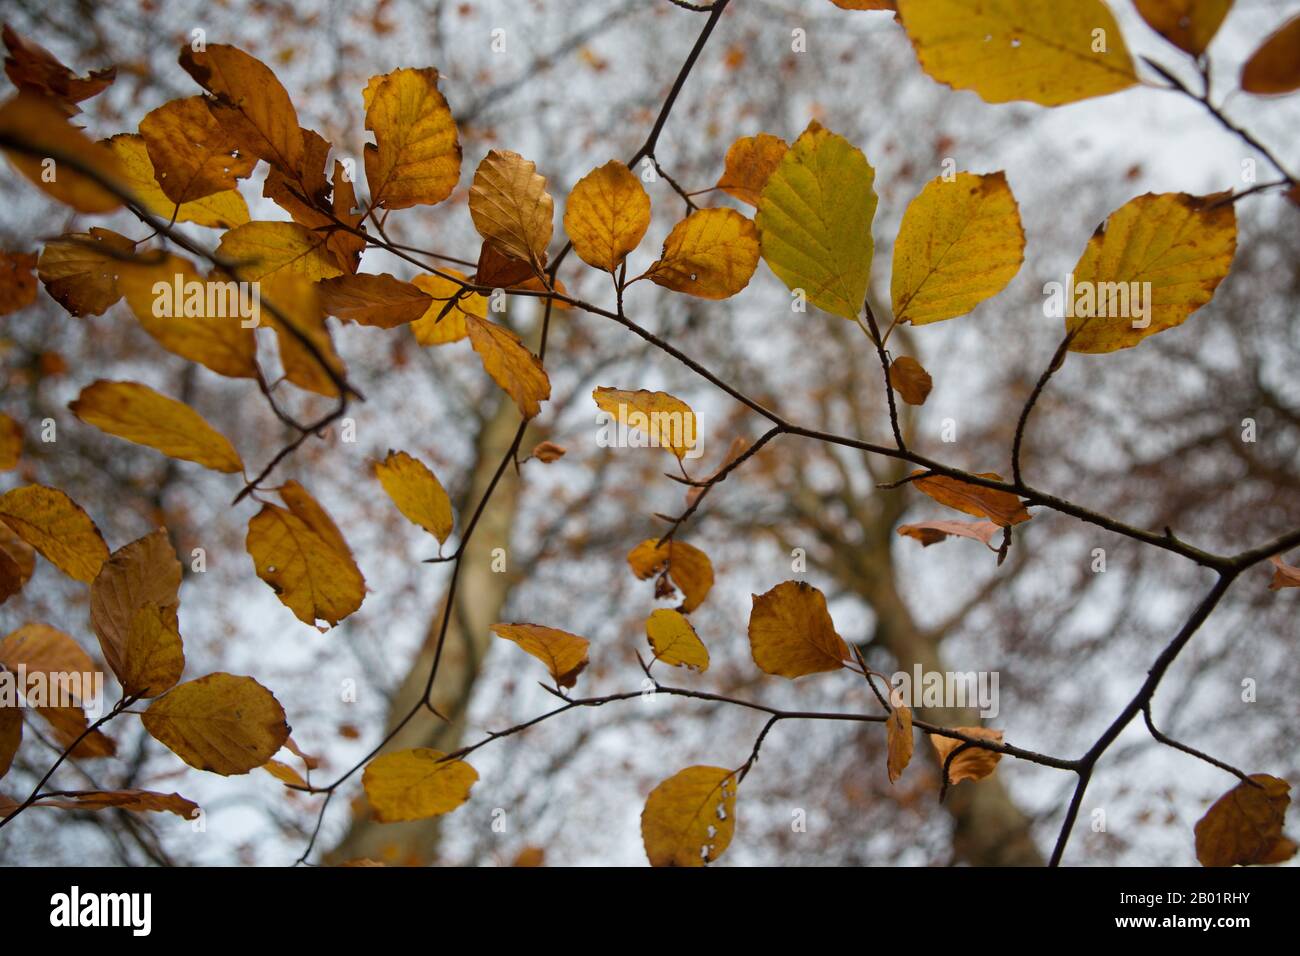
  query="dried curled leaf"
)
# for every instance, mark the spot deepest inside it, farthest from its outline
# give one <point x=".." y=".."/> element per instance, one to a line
<point x="417" y="492"/>
<point x="690" y="818"/>
<point x="712" y="254"/>
<point x="791" y="633"/>
<point x="910" y="380"/>
<point x="1284" y="575"/>
<point x="138" y="800"/>
<point x="510" y="206"/>
<point x="221" y="723"/>
<point x="898" y="730"/>
<point x="664" y="420"/>
<point x="1244" y="826"/>
<point x="932" y="532"/>
<point x="750" y="161"/>
<point x="1001" y="507"/>
<point x="674" y="640"/>
<point x="686" y="565"/>
<point x="564" y="654"/>
<point x="415" y="159"/>
<point x="973" y="763"/>
<point x="57" y="527"/>
<point x="416" y="784"/>
<point x="607" y="215"/>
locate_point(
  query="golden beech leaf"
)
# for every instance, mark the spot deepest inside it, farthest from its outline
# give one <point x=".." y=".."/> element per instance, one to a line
<point x="607" y="215"/>
<point x="191" y="153"/>
<point x="221" y="723"/>
<point x="300" y="553"/>
<point x="320" y="206"/>
<point x="712" y="254"/>
<point x="199" y="318"/>
<point x="415" y="159"/>
<point x="41" y="127"/>
<point x="376" y="300"/>
<point x="417" y="492"/>
<point x="1189" y="25"/>
<point x="11" y="736"/>
<point x="416" y="784"/>
<point x="750" y="161"/>
<point x="960" y="243"/>
<point x="932" y="532"/>
<point x="155" y="658"/>
<point x="142" y="574"/>
<point x="34" y="69"/>
<point x="510" y="206"/>
<point x="1001" y="507"/>
<point x="44" y="650"/>
<point x="665" y="421"/>
<point x="249" y="102"/>
<point x="506" y="359"/>
<point x="791" y="632"/>
<point x="55" y="525"/>
<point x="690" y="818"/>
<point x="81" y="270"/>
<point x="264" y="250"/>
<point x="674" y="640"/>
<point x="1275" y="66"/>
<point x="564" y="654"/>
<point x="898" y="730"/>
<point x="814" y="219"/>
<point x="1155" y="261"/>
<point x="1244" y="826"/>
<point x="547" y="452"/>
<point x="139" y="414"/>
<point x="17" y="284"/>
<point x="138" y="800"/>
<point x="11" y="443"/>
<point x="973" y="763"/>
<point x="1284" y="575"/>
<point x="1042" y="51"/>
<point x="686" y="565"/>
<point x="284" y="773"/>
<point x="300" y="323"/>
<point x="910" y="380"/>
<point x="223" y="210"/>
<point x="439" y="324"/>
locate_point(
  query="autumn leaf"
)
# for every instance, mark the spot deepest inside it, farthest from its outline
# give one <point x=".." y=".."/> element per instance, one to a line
<point x="416" y="784"/>
<point x="138" y="800"/>
<point x="505" y="358"/>
<point x="139" y="575"/>
<point x="191" y="153"/>
<point x="1189" y="25"/>
<point x="1244" y="826"/>
<point x="666" y="421"/>
<point x="34" y="69"/>
<point x="932" y="532"/>
<point x="674" y="640"/>
<point x="1001" y="507"/>
<point x="547" y="452"/>
<point x="306" y="348"/>
<point x="960" y="243"/>
<point x="265" y="250"/>
<point x="11" y="443"/>
<point x="899" y="740"/>
<point x="791" y="633"/>
<point x="814" y="219"/>
<point x="712" y="254"/>
<point x="46" y="135"/>
<point x="690" y="818"/>
<point x="439" y="324"/>
<point x="686" y="565"/>
<point x="44" y="650"/>
<point x="17" y="563"/>
<point x="222" y="210"/>
<point x="284" y="773"/>
<point x="1284" y="575"/>
<point x="417" y="492"/>
<point x="1275" y="66"/>
<point x="220" y="723"/>
<point x="300" y="553"/>
<point x="11" y="735"/>
<point x="57" y="527"/>
<point x="415" y="158"/>
<point x="325" y="207"/>
<point x="380" y="301"/>
<point x="973" y="763"/>
<point x="1037" y="50"/>
<point x="564" y="654"/>
<point x="81" y="270"/>
<point x="17" y="283"/>
<point x="910" y="380"/>
<point x="750" y="161"/>
<point x="510" y="206"/>
<point x="865" y="4"/>
<point x="155" y="659"/>
<point x="1179" y="247"/>
<point x="607" y="215"/>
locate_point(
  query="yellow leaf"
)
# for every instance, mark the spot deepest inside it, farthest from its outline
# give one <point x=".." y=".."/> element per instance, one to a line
<point x="686" y="565"/>
<point x="435" y="328"/>
<point x="668" y="422"/>
<point x="319" y="206"/>
<point x="1168" y="252"/>
<point x="960" y="243"/>
<point x="196" y="317"/>
<point x="973" y="763"/>
<point x="221" y="723"/>
<point x="564" y="654"/>
<point x="750" y="161"/>
<point x="1189" y="25"/>
<point x="690" y="818"/>
<point x="141" y="415"/>
<point x="17" y="284"/>
<point x="1275" y="66"/>
<point x="417" y="492"/>
<point x="814" y="219"/>
<point x="416" y="784"/>
<point x="1244" y="826"/>
<point x="674" y="640"/>
<point x="81" y="270"/>
<point x="302" y="322"/>
<point x="510" y="206"/>
<point x="910" y="379"/>
<point x="144" y="573"/>
<point x="607" y="215"/>
<point x="249" y="103"/>
<point x="299" y="552"/>
<point x="140" y="800"/>
<point x="155" y="658"/>
<point x="1042" y="51"/>
<point x="265" y="250"/>
<point x="284" y="773"/>
<point x="518" y="371"/>
<point x="712" y="254"/>
<point x="415" y="159"/>
<point x="223" y="210"/>
<point x="47" y="135"/>
<point x="191" y="153"/>
<point x="43" y="650"/>
<point x="55" y="525"/>
<point x="898" y="730"/>
<point x="791" y="632"/>
<point x="376" y="300"/>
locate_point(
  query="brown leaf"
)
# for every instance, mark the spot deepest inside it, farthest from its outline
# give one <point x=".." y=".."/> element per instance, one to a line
<point x="1284" y="575"/>
<point x="791" y="633"/>
<point x="973" y="763"/>
<point x="34" y="69"/>
<point x="688" y="566"/>
<point x="1001" y="507"/>
<point x="898" y="728"/>
<point x="17" y="284"/>
<point x="932" y="532"/>
<point x="1244" y="826"/>
<point x="564" y="654"/>
<point x="910" y="380"/>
